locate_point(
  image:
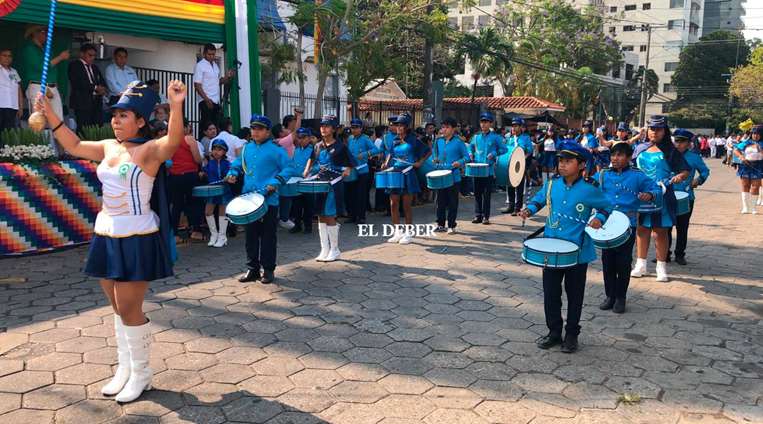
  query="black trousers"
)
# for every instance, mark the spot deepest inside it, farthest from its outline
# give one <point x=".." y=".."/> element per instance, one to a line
<point x="208" y="115"/>
<point x="447" y="203"/>
<point x="181" y="188"/>
<point x="483" y="190"/>
<point x="682" y="232"/>
<point x="357" y="197"/>
<point x="516" y="195"/>
<point x="302" y="211"/>
<point x="8" y="118"/>
<point x="261" y="241"/>
<point x="574" y="285"/>
<point x="466" y="186"/>
<point x="616" y="266"/>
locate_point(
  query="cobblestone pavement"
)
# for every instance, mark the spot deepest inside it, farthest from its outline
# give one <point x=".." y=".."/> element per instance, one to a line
<point x="439" y="331"/>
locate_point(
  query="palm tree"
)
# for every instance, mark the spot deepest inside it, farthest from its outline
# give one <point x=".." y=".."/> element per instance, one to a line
<point x="489" y="54"/>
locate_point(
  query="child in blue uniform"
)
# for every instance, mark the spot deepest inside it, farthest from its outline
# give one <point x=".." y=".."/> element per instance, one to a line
<point x="749" y="153"/>
<point x="361" y="148"/>
<point x="449" y="152"/>
<point x="485" y="147"/>
<point x="406" y="156"/>
<point x="625" y="188"/>
<point x="570" y="198"/>
<point x="589" y="142"/>
<point x="302" y="209"/>
<point x="264" y="165"/>
<point x="667" y="166"/>
<point x="334" y="162"/>
<point x="518" y="138"/>
<point x="215" y="170"/>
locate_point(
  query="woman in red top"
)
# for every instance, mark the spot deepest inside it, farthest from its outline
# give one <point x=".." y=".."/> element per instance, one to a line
<point x="184" y="176"/>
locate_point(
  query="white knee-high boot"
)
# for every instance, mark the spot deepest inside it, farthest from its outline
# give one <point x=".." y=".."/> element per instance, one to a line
<point x="746" y="202"/>
<point x="333" y="231"/>
<point x="213" y="234"/>
<point x="640" y="269"/>
<point x="222" y="236"/>
<point x="324" y="236"/>
<point x="123" y="359"/>
<point x="139" y="343"/>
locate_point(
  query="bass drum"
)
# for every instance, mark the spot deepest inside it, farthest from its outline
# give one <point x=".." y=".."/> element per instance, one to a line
<point x="509" y="166"/>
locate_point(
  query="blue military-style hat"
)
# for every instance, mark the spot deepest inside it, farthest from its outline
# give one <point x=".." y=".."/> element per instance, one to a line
<point x="329" y="120"/>
<point x="486" y="116"/>
<point x="517" y="121"/>
<point x="657" y="121"/>
<point x="757" y="129"/>
<point x="219" y="142"/>
<point x="684" y="134"/>
<point x="138" y="98"/>
<point x="356" y="122"/>
<point x="260" y="121"/>
<point x="571" y="149"/>
<point x="391" y="119"/>
<point x="304" y="132"/>
<point x="588" y="123"/>
<point x="622" y="126"/>
<point x="403" y="119"/>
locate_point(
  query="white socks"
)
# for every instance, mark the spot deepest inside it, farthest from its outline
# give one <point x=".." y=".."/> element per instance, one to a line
<point x="662" y="271"/>
<point x="639" y="269"/>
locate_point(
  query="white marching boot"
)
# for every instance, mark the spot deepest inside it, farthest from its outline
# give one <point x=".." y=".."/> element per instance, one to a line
<point x="213" y="234"/>
<point x="222" y="236"/>
<point x="123" y="358"/>
<point x="662" y="272"/>
<point x="639" y="269"/>
<point x="760" y="199"/>
<point x="746" y="202"/>
<point x="397" y="236"/>
<point x="333" y="232"/>
<point x="139" y="344"/>
<point x="324" y="236"/>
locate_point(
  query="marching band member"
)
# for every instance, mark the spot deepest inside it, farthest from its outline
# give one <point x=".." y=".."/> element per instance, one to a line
<point x="264" y="165"/>
<point x="683" y="140"/>
<point x="133" y="241"/>
<point x="570" y="198"/>
<point x="624" y="187"/>
<point x="518" y="138"/>
<point x="334" y="162"/>
<point x="361" y="148"/>
<point x="302" y="209"/>
<point x="589" y="142"/>
<point x="667" y="166"/>
<point x="407" y="152"/>
<point x="485" y="147"/>
<point x="449" y="153"/>
<point x="215" y="170"/>
<point x="750" y="170"/>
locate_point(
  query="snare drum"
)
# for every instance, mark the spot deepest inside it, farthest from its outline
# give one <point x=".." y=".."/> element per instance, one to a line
<point x="442" y="178"/>
<point x="614" y="232"/>
<point x="477" y="170"/>
<point x="314" y="186"/>
<point x="389" y="179"/>
<point x="213" y="190"/>
<point x="290" y="189"/>
<point x="246" y="208"/>
<point x="682" y="203"/>
<point x="549" y="252"/>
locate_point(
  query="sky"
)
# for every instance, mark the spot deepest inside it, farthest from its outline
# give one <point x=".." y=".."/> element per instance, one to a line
<point x="753" y="19"/>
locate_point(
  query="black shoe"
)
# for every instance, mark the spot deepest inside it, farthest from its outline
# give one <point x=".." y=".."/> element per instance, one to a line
<point x="307" y="230"/>
<point x="515" y="213"/>
<point x="477" y="220"/>
<point x="361" y="221"/>
<point x="295" y="230"/>
<point x="510" y="209"/>
<point x="607" y="304"/>
<point x="268" y="277"/>
<point x="619" y="306"/>
<point x="549" y="341"/>
<point x="251" y="275"/>
<point x="680" y="260"/>
<point x="486" y="221"/>
<point x="440" y="229"/>
<point x="570" y="344"/>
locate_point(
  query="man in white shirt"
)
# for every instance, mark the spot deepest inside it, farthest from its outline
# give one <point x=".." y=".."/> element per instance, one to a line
<point x="11" y="95"/>
<point x="207" y="81"/>
<point x="118" y="75"/>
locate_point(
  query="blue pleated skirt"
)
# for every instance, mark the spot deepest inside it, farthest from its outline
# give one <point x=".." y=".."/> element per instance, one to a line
<point x="752" y="172"/>
<point x="134" y="258"/>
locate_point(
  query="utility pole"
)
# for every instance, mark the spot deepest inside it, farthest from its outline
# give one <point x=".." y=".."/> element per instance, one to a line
<point x="642" y="106"/>
<point x="731" y="98"/>
<point x="428" y="71"/>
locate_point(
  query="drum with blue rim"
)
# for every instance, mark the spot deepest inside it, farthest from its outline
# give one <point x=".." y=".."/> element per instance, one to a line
<point x="390" y="179"/>
<point x="550" y="252"/>
<point x="614" y="232"/>
<point x="211" y="190"/>
<point x="439" y="179"/>
<point x="477" y="170"/>
<point x="246" y="208"/>
<point x="314" y="186"/>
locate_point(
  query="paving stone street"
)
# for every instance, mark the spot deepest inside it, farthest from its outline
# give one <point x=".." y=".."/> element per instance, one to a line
<point x="440" y="331"/>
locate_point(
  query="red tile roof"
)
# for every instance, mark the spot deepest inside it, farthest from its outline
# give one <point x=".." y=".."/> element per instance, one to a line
<point x="502" y="103"/>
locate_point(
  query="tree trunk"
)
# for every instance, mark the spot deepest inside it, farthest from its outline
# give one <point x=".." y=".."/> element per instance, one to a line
<point x="323" y="74"/>
<point x="428" y="71"/>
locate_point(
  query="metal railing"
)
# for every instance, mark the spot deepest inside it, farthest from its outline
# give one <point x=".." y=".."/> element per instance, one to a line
<point x="191" y="111"/>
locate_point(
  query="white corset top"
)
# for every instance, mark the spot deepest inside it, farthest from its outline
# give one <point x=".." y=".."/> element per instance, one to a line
<point x="126" y="209"/>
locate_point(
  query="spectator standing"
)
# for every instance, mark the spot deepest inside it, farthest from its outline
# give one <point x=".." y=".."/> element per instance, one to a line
<point x="119" y="74"/>
<point x="184" y="176"/>
<point x="32" y="54"/>
<point x="210" y="133"/>
<point x="11" y="96"/>
<point x="207" y="80"/>
<point x="87" y="88"/>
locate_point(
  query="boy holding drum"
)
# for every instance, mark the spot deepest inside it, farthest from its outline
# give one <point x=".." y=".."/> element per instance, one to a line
<point x="570" y="199"/>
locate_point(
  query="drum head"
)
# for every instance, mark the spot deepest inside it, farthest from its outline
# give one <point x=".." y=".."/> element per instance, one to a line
<point x="439" y="173"/>
<point x="517" y="166"/>
<point x="245" y="204"/>
<point x="476" y="165"/>
<point x="617" y="224"/>
<point x="551" y="245"/>
<point x="681" y="195"/>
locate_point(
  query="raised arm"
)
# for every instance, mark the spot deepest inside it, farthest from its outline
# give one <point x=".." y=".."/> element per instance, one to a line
<point x="166" y="146"/>
<point x="91" y="150"/>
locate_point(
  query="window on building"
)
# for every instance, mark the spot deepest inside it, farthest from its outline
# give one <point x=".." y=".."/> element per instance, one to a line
<point x="500" y="2"/>
<point x="676" y="4"/>
<point x="486" y="2"/>
<point x="627" y="48"/>
<point x="693" y="29"/>
<point x="627" y="28"/>
<point x="630" y="7"/>
<point x="646" y="6"/>
<point x="666" y="107"/>
<point x="612" y="9"/>
<point x="483" y="21"/>
<point x="616" y="73"/>
<point x="642" y="48"/>
<point x="453" y="22"/>
<point x="628" y="71"/>
<point x="676" y="24"/>
<point x="671" y="66"/>
<point x="467" y="23"/>
<point x="612" y="30"/>
<point x="668" y="88"/>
